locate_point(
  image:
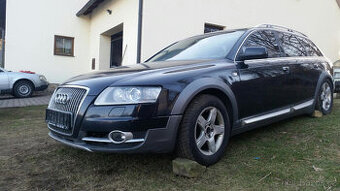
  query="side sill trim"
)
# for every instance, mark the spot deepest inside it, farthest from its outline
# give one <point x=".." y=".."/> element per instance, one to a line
<point x="278" y="113"/>
<point x="267" y="116"/>
<point x="304" y="105"/>
<point x="69" y="143"/>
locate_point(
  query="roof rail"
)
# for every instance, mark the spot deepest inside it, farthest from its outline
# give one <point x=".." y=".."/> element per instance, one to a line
<point x="279" y="27"/>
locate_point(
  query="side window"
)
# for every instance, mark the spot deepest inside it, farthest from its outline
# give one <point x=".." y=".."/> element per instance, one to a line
<point x="264" y="39"/>
<point x="311" y="49"/>
<point x="291" y="46"/>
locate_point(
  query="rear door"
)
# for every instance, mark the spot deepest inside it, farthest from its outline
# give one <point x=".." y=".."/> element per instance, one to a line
<point x="303" y="68"/>
<point x="312" y="66"/>
<point x="263" y="81"/>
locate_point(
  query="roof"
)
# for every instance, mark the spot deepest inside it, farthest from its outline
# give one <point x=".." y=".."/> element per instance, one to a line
<point x="88" y="7"/>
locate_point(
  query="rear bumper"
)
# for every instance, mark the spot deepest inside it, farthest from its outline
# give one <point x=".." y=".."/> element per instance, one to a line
<point x="337" y="87"/>
<point x="157" y="140"/>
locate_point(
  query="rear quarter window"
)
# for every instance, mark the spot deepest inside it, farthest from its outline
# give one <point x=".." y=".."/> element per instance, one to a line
<point x="310" y="47"/>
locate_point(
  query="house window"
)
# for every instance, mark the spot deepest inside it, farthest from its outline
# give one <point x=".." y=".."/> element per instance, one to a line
<point x="212" y="28"/>
<point x="63" y="46"/>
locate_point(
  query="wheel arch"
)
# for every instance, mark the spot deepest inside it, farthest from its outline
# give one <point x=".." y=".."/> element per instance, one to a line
<point x="324" y="76"/>
<point x="20" y="80"/>
<point x="210" y="86"/>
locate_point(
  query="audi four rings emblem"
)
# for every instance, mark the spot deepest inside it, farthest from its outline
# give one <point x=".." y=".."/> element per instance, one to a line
<point x="61" y="99"/>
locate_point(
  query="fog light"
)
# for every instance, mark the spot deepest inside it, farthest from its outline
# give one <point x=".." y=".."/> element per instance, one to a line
<point x="119" y="137"/>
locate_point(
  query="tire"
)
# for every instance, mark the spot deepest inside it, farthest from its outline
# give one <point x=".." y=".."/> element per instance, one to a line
<point x="23" y="89"/>
<point x="196" y="142"/>
<point x="324" y="101"/>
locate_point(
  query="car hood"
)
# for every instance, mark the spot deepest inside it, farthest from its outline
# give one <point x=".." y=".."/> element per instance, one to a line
<point x="140" y="74"/>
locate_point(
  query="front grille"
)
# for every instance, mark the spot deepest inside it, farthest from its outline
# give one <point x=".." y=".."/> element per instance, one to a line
<point x="75" y="97"/>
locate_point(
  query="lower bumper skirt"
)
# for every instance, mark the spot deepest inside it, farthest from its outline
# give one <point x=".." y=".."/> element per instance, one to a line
<point x="68" y="143"/>
<point x="162" y="140"/>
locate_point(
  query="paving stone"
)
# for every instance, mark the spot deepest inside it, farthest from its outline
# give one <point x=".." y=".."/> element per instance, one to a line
<point x="187" y="168"/>
<point x="9" y="102"/>
<point x="317" y="114"/>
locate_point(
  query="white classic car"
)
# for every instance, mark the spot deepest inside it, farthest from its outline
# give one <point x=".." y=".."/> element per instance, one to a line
<point x="21" y="84"/>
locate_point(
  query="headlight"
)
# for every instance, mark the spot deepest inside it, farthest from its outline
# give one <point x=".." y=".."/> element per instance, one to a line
<point x="128" y="95"/>
<point x="42" y="78"/>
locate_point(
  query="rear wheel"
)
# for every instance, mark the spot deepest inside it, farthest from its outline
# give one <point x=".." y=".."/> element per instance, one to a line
<point x="204" y="131"/>
<point x="325" y="98"/>
<point x="23" y="89"/>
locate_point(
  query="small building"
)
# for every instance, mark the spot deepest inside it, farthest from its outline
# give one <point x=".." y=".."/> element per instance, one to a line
<point x="64" y="38"/>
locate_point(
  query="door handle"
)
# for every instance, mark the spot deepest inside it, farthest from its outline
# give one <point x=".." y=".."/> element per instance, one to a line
<point x="285" y="68"/>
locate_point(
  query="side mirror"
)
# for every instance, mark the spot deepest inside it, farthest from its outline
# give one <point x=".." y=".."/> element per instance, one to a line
<point x="250" y="53"/>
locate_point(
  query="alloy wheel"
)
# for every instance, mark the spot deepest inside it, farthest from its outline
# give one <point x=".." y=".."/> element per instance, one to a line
<point x="326" y="96"/>
<point x="209" y="131"/>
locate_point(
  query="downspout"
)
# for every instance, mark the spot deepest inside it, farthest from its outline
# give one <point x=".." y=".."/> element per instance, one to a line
<point x="139" y="35"/>
<point x="2" y="48"/>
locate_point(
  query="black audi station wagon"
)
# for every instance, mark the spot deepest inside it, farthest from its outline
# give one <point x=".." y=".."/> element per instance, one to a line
<point x="192" y="96"/>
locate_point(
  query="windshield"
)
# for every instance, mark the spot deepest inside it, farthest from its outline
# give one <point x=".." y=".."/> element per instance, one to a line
<point x="200" y="48"/>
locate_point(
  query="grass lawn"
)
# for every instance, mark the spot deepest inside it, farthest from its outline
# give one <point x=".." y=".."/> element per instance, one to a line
<point x="297" y="154"/>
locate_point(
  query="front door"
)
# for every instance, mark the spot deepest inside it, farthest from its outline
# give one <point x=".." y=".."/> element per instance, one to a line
<point x="263" y="81"/>
<point x="116" y="49"/>
<point x="4" y="85"/>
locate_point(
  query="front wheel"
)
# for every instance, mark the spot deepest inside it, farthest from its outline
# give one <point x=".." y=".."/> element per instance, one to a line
<point x="204" y="131"/>
<point x="325" y="98"/>
<point x="23" y="89"/>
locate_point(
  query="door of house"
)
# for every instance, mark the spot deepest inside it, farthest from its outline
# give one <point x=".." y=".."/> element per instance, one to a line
<point x="116" y="49"/>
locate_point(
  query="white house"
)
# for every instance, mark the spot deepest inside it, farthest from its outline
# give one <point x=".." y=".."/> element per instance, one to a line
<point x="63" y="38"/>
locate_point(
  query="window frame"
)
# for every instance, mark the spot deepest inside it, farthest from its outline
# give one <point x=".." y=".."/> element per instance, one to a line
<point x="55" y="45"/>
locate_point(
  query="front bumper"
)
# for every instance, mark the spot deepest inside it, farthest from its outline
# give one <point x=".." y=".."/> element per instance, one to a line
<point x="41" y="86"/>
<point x="156" y="140"/>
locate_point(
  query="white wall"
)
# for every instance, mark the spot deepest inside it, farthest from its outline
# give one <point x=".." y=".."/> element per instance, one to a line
<point x="123" y="11"/>
<point x="31" y="26"/>
<point x="165" y="22"/>
<point x="30" y="29"/>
